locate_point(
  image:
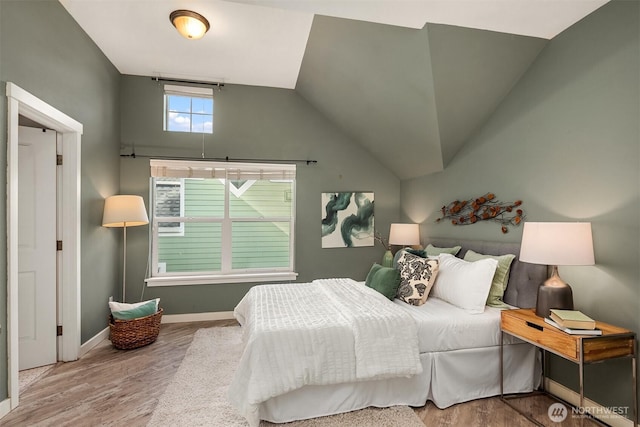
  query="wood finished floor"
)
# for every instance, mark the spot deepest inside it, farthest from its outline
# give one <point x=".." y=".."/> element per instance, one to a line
<point x="109" y="387"/>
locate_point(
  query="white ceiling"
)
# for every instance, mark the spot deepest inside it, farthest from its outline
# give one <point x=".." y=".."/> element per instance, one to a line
<point x="262" y="42"/>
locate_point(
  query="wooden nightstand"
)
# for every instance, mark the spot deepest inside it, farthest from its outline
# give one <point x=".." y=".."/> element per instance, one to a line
<point x="614" y="343"/>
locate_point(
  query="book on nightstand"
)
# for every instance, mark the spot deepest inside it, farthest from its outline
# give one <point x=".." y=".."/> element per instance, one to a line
<point x="573" y="331"/>
<point x="573" y="319"/>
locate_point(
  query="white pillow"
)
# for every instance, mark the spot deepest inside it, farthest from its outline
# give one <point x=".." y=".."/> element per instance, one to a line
<point x="464" y="284"/>
<point x="121" y="306"/>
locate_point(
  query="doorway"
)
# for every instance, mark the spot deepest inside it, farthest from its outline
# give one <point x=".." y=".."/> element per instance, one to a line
<point x="22" y="103"/>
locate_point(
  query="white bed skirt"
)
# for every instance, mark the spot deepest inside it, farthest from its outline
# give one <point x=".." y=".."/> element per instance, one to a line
<point x="448" y="378"/>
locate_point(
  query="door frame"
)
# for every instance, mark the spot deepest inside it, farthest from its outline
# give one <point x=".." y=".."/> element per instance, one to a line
<point x="21" y="102"/>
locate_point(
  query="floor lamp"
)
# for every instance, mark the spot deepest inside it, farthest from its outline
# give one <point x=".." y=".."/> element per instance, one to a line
<point x="124" y="211"/>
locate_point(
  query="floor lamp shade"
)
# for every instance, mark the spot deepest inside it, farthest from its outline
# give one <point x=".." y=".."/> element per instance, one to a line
<point x="556" y="243"/>
<point x="124" y="211"/>
<point x="404" y="234"/>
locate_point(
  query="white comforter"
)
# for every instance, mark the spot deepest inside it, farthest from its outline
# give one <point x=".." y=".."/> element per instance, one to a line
<point x="329" y="331"/>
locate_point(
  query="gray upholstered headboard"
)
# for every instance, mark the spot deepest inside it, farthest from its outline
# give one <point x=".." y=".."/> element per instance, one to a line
<point x="524" y="278"/>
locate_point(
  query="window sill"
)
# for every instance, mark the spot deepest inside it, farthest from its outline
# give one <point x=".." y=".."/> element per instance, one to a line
<point x="220" y="278"/>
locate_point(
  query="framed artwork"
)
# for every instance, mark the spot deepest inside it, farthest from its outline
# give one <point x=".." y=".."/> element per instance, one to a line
<point x="347" y="220"/>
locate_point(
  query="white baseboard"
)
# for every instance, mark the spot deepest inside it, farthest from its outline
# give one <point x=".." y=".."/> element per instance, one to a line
<point x="5" y="407"/>
<point x="570" y="396"/>
<point x="167" y="318"/>
<point x="94" y="341"/>
<point x="197" y="317"/>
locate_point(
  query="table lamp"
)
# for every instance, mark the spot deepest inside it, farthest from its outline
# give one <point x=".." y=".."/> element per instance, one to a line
<point x="404" y="234"/>
<point x="556" y="243"/>
<point x="124" y="211"/>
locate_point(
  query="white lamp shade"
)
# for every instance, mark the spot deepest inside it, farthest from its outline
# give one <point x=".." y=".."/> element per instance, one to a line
<point x="557" y="243"/>
<point x="124" y="211"/>
<point x="404" y="234"/>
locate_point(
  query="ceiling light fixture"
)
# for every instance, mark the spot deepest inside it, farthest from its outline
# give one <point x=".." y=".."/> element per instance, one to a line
<point x="190" y="25"/>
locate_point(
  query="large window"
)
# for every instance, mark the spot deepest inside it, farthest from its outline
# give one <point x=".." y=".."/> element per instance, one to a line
<point x="221" y="222"/>
<point x="188" y="109"/>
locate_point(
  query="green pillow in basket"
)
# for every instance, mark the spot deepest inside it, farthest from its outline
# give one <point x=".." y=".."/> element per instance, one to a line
<point x="144" y="310"/>
<point x="124" y="311"/>
<point x="134" y="325"/>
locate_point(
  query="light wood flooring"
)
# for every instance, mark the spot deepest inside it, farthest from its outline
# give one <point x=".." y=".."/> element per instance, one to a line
<point x="110" y="387"/>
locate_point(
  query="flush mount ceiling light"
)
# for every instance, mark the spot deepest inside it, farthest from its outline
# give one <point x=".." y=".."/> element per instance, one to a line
<point x="190" y="25"/>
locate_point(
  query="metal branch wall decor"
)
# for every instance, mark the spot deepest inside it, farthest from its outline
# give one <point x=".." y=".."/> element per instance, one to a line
<point x="484" y="208"/>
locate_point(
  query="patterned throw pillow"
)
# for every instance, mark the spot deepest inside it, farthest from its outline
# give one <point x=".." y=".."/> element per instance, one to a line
<point x="416" y="278"/>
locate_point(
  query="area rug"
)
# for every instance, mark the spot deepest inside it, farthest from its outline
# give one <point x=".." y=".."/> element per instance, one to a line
<point x="197" y="394"/>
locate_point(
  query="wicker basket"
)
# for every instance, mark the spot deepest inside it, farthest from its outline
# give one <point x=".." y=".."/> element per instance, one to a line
<point x="134" y="333"/>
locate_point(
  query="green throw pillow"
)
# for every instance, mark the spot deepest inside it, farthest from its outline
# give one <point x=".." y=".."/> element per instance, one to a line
<point x="384" y="280"/>
<point x="418" y="252"/>
<point x="141" y="311"/>
<point x="434" y="251"/>
<point x="500" y="278"/>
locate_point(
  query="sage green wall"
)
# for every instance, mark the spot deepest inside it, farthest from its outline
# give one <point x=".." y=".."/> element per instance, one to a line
<point x="566" y="142"/>
<point x="386" y="86"/>
<point x="255" y="123"/>
<point x="45" y="52"/>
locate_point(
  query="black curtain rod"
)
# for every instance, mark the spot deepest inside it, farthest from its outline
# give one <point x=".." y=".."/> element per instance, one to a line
<point x="161" y="79"/>
<point x="220" y="159"/>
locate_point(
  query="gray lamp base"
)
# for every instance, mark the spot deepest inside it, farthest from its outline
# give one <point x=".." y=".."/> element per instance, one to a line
<point x="553" y="297"/>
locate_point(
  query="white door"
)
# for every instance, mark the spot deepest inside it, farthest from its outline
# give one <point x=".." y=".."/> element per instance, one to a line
<point x="36" y="247"/>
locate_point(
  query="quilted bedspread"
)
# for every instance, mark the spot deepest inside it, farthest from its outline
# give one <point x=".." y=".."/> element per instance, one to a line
<point x="328" y="331"/>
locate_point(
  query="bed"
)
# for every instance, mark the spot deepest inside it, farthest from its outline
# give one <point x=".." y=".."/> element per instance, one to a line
<point x="335" y="345"/>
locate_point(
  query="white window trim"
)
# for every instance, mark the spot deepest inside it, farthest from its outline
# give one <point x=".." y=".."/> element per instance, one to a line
<point x="226" y="275"/>
<point x="216" y="279"/>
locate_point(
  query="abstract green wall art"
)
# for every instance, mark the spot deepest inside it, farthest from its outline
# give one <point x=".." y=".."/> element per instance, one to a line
<point x="347" y="219"/>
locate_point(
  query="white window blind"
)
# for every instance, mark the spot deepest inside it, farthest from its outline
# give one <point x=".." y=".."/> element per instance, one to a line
<point x="221" y="170"/>
<point x="188" y="90"/>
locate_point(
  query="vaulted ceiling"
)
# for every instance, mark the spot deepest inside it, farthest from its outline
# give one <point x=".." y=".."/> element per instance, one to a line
<point x="411" y="97"/>
<point x="408" y="80"/>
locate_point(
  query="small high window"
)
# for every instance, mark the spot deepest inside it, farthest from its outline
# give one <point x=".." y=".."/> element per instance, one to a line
<point x="188" y="109"/>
